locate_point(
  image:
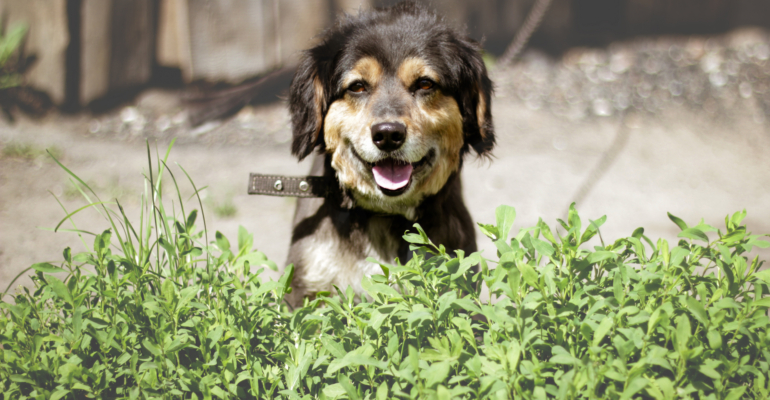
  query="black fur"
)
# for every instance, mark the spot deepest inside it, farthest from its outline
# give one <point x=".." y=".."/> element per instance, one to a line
<point x="329" y="232"/>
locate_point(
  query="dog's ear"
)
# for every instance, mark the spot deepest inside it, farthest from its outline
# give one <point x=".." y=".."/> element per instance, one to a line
<point x="307" y="104"/>
<point x="476" y="99"/>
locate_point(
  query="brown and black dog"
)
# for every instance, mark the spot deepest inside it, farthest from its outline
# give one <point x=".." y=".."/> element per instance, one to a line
<point x="392" y="99"/>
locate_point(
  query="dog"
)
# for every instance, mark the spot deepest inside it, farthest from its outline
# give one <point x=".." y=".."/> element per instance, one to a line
<point x="391" y="100"/>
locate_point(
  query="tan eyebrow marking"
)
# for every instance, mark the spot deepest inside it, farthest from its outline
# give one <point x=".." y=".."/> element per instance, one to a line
<point x="413" y="68"/>
<point x="366" y="69"/>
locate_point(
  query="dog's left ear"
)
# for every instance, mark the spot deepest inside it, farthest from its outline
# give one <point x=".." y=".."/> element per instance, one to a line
<point x="476" y="98"/>
<point x="307" y="104"/>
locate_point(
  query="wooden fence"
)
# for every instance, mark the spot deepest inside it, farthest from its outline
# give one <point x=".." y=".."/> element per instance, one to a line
<point x="88" y="49"/>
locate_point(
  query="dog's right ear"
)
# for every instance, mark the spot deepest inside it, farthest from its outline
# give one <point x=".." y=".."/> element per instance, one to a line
<point x="307" y="104"/>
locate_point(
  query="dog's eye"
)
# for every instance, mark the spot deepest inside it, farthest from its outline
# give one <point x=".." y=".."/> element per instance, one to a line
<point x="425" y="84"/>
<point x="357" y="87"/>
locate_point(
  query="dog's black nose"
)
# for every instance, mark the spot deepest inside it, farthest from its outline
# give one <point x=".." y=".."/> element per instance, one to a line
<point x="388" y="136"/>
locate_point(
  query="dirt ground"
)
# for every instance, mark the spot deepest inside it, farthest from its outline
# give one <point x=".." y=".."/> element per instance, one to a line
<point x="631" y="164"/>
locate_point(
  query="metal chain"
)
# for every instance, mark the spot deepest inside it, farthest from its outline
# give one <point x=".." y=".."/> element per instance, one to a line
<point x="533" y="20"/>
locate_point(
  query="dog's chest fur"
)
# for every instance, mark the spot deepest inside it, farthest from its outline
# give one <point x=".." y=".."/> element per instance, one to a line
<point x="334" y="256"/>
<point x="331" y="241"/>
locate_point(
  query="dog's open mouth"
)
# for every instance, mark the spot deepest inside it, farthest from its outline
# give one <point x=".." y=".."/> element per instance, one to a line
<point x="391" y="174"/>
<point x="394" y="176"/>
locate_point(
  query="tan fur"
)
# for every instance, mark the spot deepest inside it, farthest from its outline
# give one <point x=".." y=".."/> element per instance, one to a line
<point x="481" y="110"/>
<point x="433" y="122"/>
<point x="413" y="68"/>
<point x="336" y="263"/>
<point x="443" y="123"/>
<point x="366" y="69"/>
<point x="319" y="99"/>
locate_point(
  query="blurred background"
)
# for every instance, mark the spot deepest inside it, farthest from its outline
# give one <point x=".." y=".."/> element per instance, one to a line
<point x="631" y="108"/>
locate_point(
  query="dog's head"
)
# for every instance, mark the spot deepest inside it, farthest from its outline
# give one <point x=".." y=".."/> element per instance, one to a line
<point x="397" y="98"/>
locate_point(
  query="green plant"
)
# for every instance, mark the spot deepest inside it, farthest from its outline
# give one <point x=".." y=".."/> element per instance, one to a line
<point x="29" y="152"/>
<point x="15" y="93"/>
<point x="166" y="313"/>
<point x="112" y="189"/>
<point x="9" y="46"/>
<point x="224" y="208"/>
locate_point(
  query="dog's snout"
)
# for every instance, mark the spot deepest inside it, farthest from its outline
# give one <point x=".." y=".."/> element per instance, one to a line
<point x="388" y="136"/>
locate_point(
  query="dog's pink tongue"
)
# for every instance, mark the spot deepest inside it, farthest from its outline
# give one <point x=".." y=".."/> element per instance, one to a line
<point x="391" y="174"/>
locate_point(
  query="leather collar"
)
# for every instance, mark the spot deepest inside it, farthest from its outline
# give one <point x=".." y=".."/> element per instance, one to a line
<point x="294" y="186"/>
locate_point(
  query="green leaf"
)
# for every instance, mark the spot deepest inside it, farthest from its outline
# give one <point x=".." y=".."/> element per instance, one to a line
<point x="379" y="288"/>
<point x="445" y="303"/>
<point x="602" y="330"/>
<point x="102" y="242"/>
<point x="168" y="247"/>
<point x="191" y="219"/>
<point x="678" y="221"/>
<point x="697" y="310"/>
<point x="504" y="215"/>
<point x="155" y="350"/>
<point x="542" y="247"/>
<point x="728" y="271"/>
<point x="763" y="275"/>
<point x="245" y="239"/>
<point x="546" y="231"/>
<point x="513" y="355"/>
<point x="633" y="388"/>
<point x="714" y="338"/>
<point x="221" y="241"/>
<point x="574" y="219"/>
<point x="22" y="378"/>
<point x="710" y="372"/>
<point x="354" y="360"/>
<point x="762" y="244"/>
<point x="617" y="288"/>
<point x="529" y="274"/>
<point x="59" y="394"/>
<point x="437" y="373"/>
<point x="336" y="349"/>
<point x="415" y="318"/>
<point x="335" y="391"/>
<point x="468" y="305"/>
<point x="287" y="278"/>
<point x="77" y="322"/>
<point x="734" y="237"/>
<point x="599" y="256"/>
<point x="60" y="289"/>
<point x="764" y="302"/>
<point x="47" y="268"/>
<point x="683" y="334"/>
<point x="736" y="393"/>
<point x="217" y="391"/>
<point x="564" y="358"/>
<point x="12" y="40"/>
<point x="464" y="326"/>
<point x="153" y="306"/>
<point x="693" y="233"/>
<point x="466" y="264"/>
<point x="350" y="389"/>
<point x="185" y="296"/>
<point x="490" y="231"/>
<point x="215" y="334"/>
<point x="382" y="391"/>
<point x="678" y="255"/>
